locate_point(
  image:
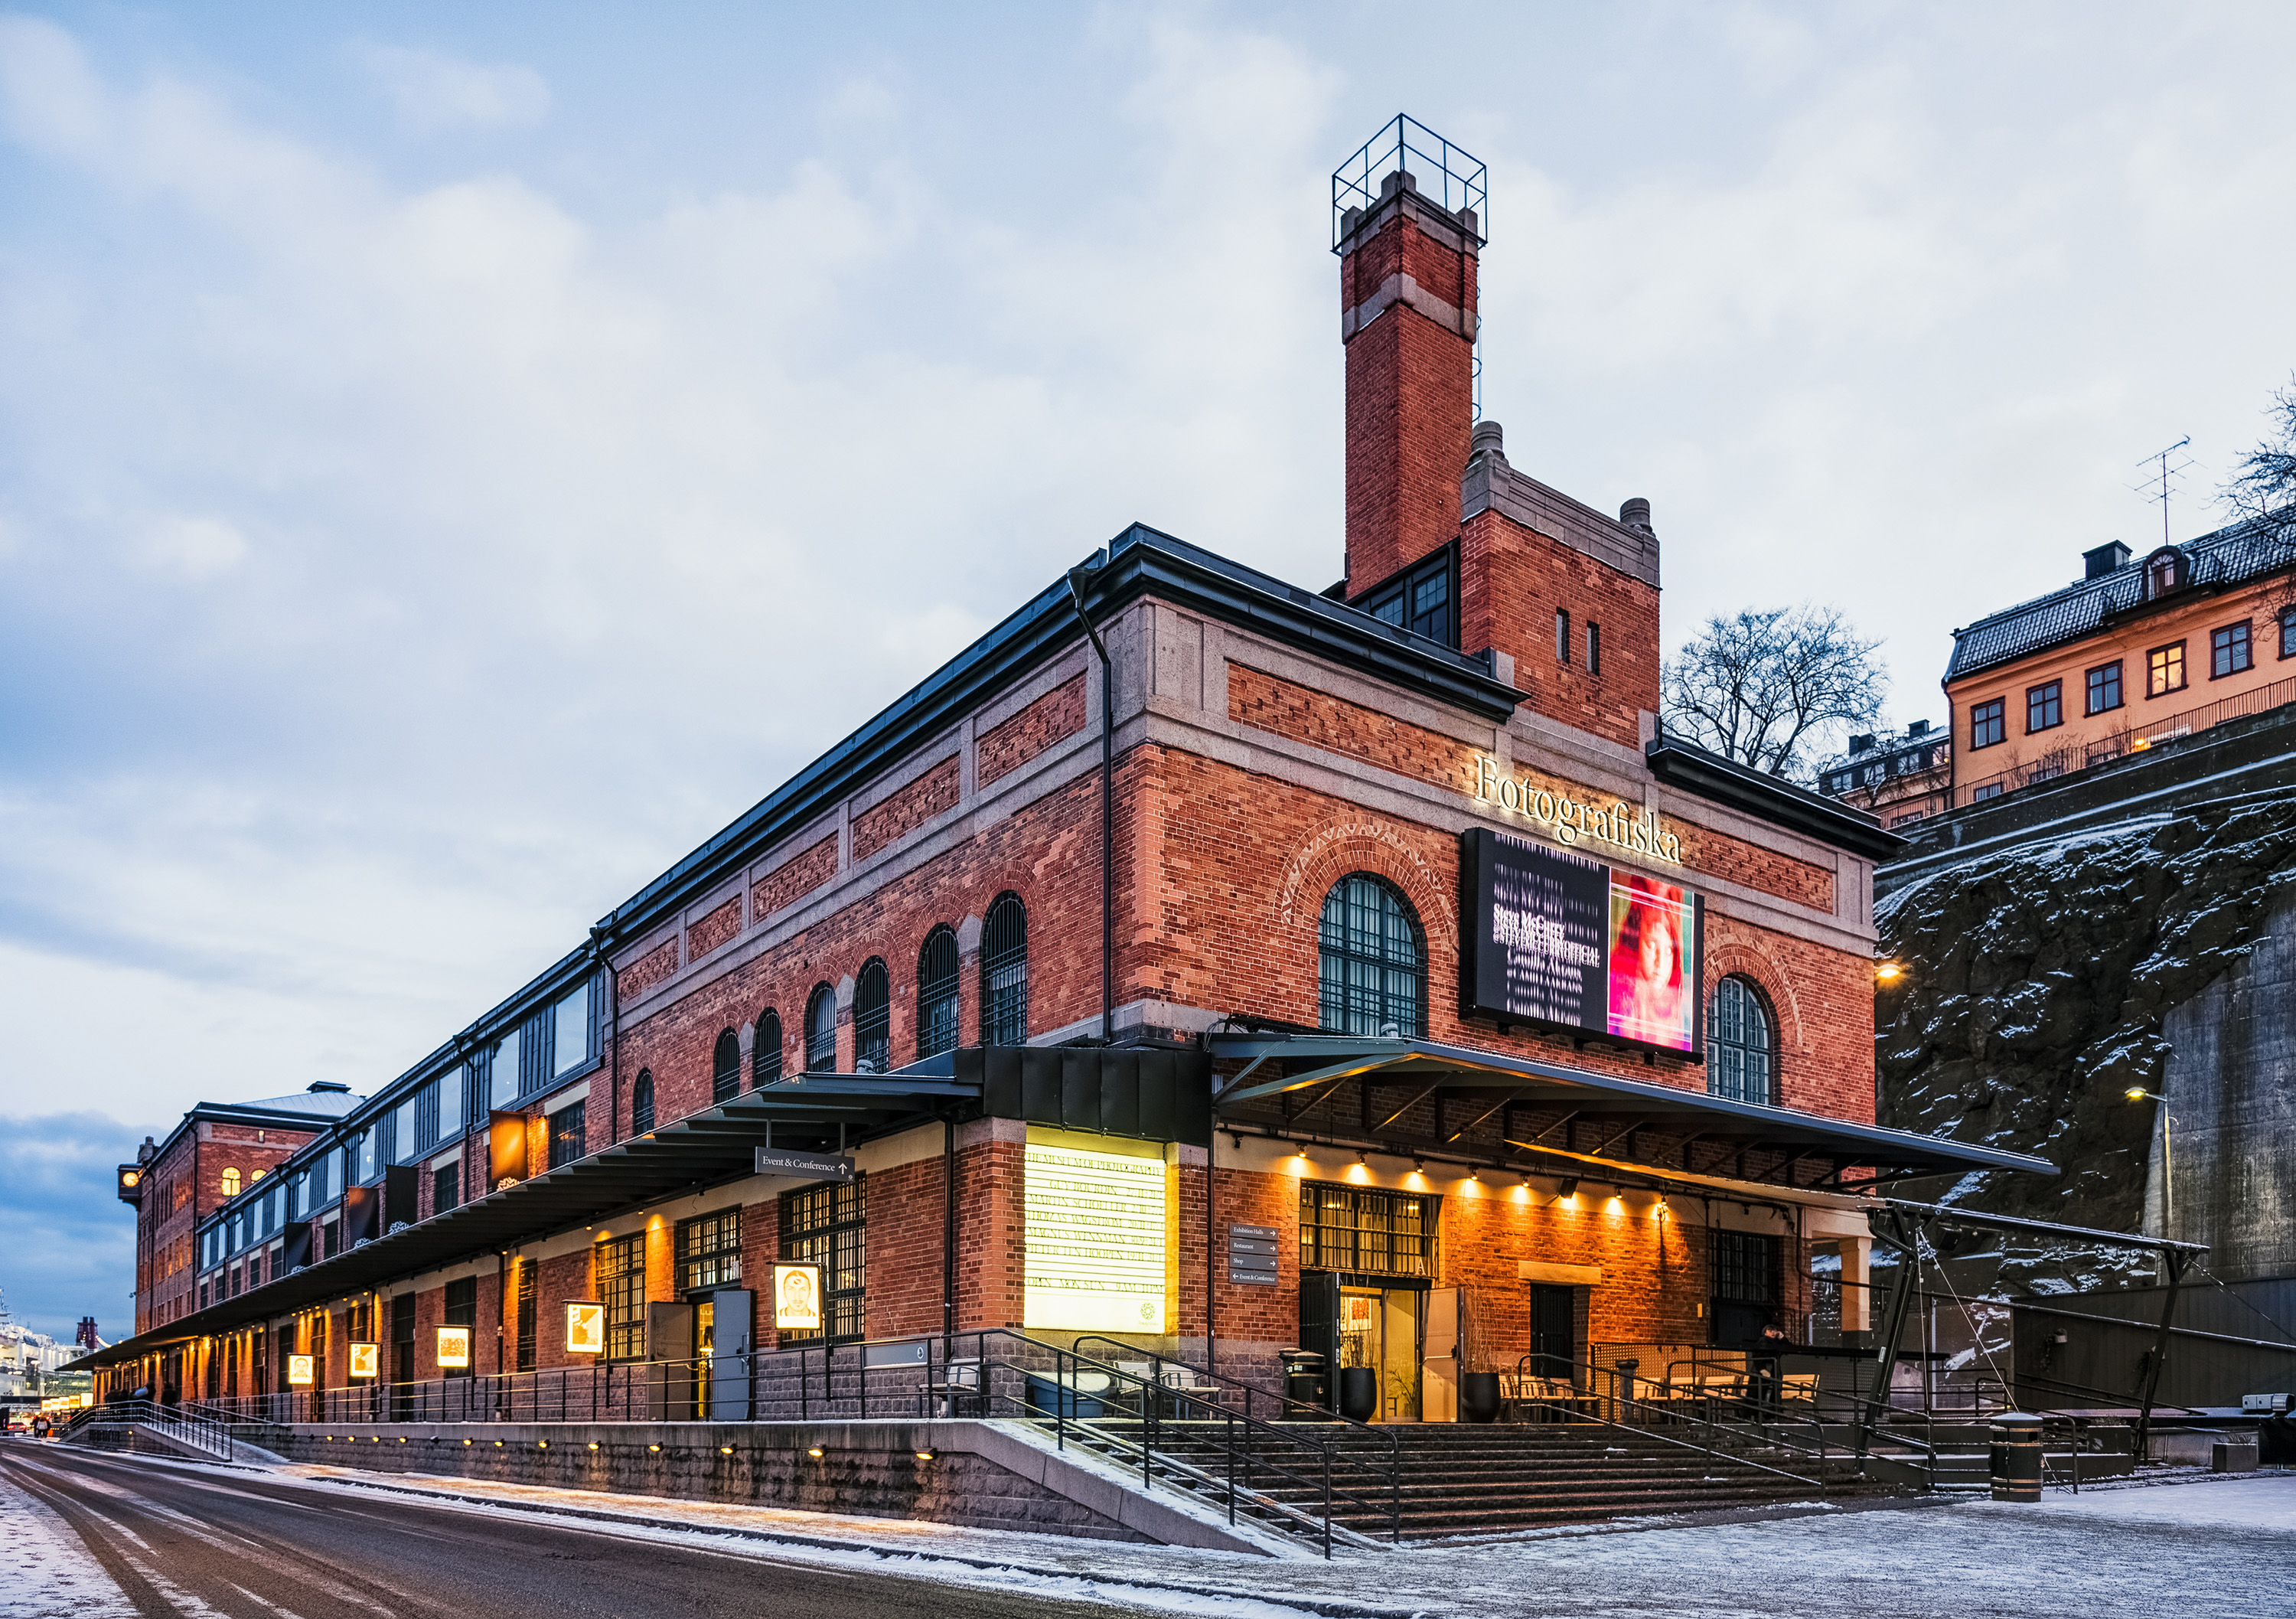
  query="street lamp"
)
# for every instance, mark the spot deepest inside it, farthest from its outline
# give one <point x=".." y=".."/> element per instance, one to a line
<point x="2137" y="1093"/>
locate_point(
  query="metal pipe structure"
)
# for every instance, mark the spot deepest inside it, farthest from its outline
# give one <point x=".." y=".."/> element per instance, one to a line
<point x="1107" y="806"/>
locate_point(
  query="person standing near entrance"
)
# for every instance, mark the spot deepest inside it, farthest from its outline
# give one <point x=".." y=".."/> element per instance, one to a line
<point x="1763" y="1384"/>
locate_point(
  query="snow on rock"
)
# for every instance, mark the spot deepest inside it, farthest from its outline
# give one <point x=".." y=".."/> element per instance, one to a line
<point x="2038" y="981"/>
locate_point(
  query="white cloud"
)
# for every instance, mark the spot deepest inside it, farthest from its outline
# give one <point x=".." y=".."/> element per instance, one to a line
<point x="431" y="92"/>
<point x="193" y="546"/>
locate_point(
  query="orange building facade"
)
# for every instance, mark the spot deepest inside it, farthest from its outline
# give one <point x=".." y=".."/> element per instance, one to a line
<point x="2135" y="654"/>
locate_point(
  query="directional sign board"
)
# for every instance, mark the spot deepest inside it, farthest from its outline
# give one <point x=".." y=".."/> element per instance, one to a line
<point x="1251" y="1255"/>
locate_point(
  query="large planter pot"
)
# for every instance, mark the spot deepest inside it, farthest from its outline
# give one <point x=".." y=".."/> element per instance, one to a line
<point x="1479" y="1397"/>
<point x="1359" y="1392"/>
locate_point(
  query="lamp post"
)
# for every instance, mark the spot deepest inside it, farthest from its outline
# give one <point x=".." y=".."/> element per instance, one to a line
<point x="2137" y="1093"/>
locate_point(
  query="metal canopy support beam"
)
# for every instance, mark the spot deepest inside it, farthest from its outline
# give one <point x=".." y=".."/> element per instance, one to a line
<point x="1407" y="1106"/>
<point x="1903" y="1233"/>
<point x="2176" y="1260"/>
<point x="1505" y="1102"/>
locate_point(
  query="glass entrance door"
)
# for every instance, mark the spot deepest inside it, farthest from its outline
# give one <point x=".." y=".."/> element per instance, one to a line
<point x="1380" y="1330"/>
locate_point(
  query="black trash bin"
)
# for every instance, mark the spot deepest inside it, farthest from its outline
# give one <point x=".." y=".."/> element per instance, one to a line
<point x="2016" y="1457"/>
<point x="1306" y="1378"/>
<point x="1359" y="1392"/>
<point x="1479" y="1397"/>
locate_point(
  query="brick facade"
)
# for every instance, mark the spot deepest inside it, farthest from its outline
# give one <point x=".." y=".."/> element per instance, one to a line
<point x="1056" y="715"/>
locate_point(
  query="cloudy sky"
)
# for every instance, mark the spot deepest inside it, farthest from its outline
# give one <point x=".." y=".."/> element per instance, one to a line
<point x="452" y="459"/>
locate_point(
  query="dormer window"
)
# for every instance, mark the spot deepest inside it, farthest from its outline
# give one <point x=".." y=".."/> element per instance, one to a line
<point x="2166" y="572"/>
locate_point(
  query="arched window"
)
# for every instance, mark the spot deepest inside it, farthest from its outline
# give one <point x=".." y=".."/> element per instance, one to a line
<point x="726" y="1067"/>
<point x="1005" y="974"/>
<point x="1738" y="1043"/>
<point x="872" y="1018"/>
<point x="231" y="1183"/>
<point x="765" y="1050"/>
<point x="642" y="1104"/>
<point x="1374" y="970"/>
<point x="821" y="1031"/>
<point x="937" y="993"/>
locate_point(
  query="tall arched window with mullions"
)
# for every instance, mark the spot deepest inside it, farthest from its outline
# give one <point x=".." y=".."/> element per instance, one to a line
<point x="641" y="1103"/>
<point x="872" y="1018"/>
<point x="1005" y="974"/>
<point x="726" y="1067"/>
<point x="765" y="1050"/>
<point x="937" y="993"/>
<point x="1373" y="969"/>
<point x="1740" y="1042"/>
<point x="821" y="1031"/>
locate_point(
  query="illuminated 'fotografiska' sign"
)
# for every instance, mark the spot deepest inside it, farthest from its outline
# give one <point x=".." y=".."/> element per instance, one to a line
<point x="1638" y="831"/>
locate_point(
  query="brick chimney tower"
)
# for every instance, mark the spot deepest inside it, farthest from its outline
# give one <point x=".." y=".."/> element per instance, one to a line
<point x="1407" y="319"/>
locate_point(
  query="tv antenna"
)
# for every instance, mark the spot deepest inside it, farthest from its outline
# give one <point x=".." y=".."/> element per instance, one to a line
<point x="2167" y="468"/>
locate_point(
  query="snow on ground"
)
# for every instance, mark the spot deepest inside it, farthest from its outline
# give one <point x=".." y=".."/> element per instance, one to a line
<point x="2212" y="1546"/>
<point x="46" y="1569"/>
<point x="2202" y="1546"/>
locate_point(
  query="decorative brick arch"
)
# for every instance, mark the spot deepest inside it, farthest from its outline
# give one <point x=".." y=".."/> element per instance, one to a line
<point x="1385" y="850"/>
<point x="1731" y="953"/>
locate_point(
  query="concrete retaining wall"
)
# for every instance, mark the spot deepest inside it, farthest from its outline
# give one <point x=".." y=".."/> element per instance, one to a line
<point x="983" y="1475"/>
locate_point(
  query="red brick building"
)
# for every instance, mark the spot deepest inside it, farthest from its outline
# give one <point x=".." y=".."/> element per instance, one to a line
<point x="1223" y="965"/>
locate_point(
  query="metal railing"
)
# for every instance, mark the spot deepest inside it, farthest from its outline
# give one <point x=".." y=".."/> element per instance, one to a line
<point x="107" y="1427"/>
<point x="2083" y="753"/>
<point x="1300" y="1477"/>
<point x="1605" y="1395"/>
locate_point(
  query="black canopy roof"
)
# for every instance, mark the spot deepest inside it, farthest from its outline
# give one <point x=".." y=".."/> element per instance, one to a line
<point x="813" y="1111"/>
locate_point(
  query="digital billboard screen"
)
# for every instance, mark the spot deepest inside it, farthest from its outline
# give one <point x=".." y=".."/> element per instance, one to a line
<point x="1553" y="937"/>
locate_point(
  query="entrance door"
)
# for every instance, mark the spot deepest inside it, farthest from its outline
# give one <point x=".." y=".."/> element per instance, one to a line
<point x="1745" y="1287"/>
<point x="1379" y="1332"/>
<point x="728" y="1347"/>
<point x="1553" y="1333"/>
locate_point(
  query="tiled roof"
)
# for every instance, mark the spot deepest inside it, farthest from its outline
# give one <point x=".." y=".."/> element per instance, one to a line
<point x="2229" y="556"/>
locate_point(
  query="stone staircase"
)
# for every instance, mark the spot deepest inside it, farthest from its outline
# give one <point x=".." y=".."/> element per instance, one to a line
<point x="1463" y="1480"/>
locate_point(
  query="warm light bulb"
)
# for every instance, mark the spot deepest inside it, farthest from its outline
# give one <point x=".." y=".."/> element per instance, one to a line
<point x="2136" y="1093"/>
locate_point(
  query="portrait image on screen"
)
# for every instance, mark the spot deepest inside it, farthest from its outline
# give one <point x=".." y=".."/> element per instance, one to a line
<point x="1653" y="962"/>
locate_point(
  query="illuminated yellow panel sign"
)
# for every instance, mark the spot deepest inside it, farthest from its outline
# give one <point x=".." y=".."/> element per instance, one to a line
<point x="586" y="1329"/>
<point x="797" y="1298"/>
<point x="1096" y="1240"/>
<point x="366" y="1360"/>
<point x="454" y="1346"/>
<point x="299" y="1371"/>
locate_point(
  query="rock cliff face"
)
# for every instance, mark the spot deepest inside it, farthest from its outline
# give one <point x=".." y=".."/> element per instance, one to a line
<point x="2040" y="986"/>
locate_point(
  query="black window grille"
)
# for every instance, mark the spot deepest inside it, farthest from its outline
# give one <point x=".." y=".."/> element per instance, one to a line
<point x="1005" y="974"/>
<point x="1984" y="794"/>
<point x="1745" y="1267"/>
<point x="2045" y="705"/>
<point x="1594" y="648"/>
<point x="821" y="1031"/>
<point x="566" y="1134"/>
<point x="426" y="1119"/>
<point x="1422" y="601"/>
<point x="2104" y="688"/>
<point x="1987" y="723"/>
<point x="827" y="1225"/>
<point x="1561" y="636"/>
<point x="872" y="1018"/>
<point x="1374" y="969"/>
<point x="710" y="1251"/>
<point x="726" y="1067"/>
<point x="445" y="1187"/>
<point x="617" y="1274"/>
<point x="937" y="993"/>
<point x="1366" y="1230"/>
<point x="765" y="1050"/>
<point x="1739" y="1044"/>
<point x="2228" y="651"/>
<point x="526" y="1345"/>
<point x="641" y="1103"/>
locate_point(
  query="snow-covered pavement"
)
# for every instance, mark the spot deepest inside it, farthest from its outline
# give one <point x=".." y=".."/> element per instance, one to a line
<point x="2198" y="1548"/>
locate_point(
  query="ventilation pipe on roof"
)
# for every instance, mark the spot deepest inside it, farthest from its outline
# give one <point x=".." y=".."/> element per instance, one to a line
<point x="1635" y="515"/>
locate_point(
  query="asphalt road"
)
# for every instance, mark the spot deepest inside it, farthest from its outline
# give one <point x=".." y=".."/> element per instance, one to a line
<point x="183" y="1542"/>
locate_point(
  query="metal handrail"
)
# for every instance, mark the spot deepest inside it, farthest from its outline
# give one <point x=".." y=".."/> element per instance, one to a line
<point x="837" y="1380"/>
<point x="1618" y="1400"/>
<point x="185" y="1427"/>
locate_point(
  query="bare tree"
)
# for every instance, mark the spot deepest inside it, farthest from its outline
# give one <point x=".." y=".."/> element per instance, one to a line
<point x="2263" y="490"/>
<point x="1765" y="687"/>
